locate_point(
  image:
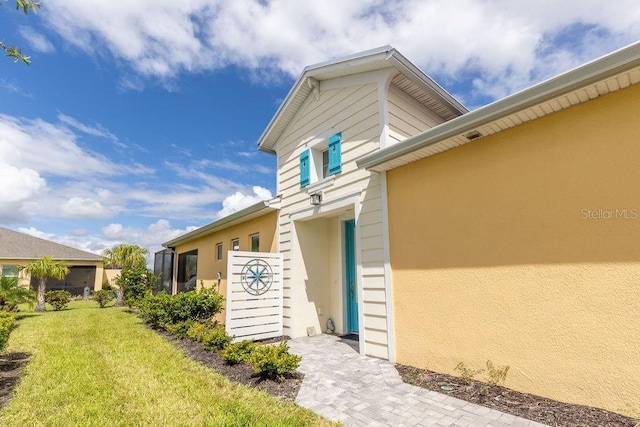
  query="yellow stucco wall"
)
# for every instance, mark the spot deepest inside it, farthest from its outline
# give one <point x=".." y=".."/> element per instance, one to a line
<point x="208" y="266"/>
<point x="516" y="249"/>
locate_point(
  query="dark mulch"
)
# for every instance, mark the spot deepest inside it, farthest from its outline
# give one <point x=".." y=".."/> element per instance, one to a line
<point x="286" y="390"/>
<point x="11" y="366"/>
<point x="536" y="408"/>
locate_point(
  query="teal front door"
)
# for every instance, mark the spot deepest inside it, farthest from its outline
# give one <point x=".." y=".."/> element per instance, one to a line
<point x="350" y="276"/>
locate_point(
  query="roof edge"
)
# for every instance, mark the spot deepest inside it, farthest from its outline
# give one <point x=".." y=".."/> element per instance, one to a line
<point x="222" y="222"/>
<point x="601" y="68"/>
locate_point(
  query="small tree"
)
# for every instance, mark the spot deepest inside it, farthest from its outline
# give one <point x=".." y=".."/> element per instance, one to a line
<point x="136" y="283"/>
<point x="43" y="268"/>
<point x="125" y="257"/>
<point x="12" y="294"/>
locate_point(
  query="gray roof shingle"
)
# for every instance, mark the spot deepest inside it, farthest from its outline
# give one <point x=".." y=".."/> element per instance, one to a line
<point x="16" y="245"/>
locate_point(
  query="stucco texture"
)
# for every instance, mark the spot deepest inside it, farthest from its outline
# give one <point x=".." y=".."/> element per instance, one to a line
<point x="523" y="248"/>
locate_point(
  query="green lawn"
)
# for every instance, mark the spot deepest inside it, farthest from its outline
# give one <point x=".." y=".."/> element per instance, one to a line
<point x="103" y="367"/>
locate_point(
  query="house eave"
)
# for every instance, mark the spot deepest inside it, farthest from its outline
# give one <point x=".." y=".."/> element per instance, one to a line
<point x="253" y="211"/>
<point x="382" y="57"/>
<point x="440" y="138"/>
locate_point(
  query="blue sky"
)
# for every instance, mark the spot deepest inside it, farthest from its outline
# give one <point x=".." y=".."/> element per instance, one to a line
<point x="138" y="121"/>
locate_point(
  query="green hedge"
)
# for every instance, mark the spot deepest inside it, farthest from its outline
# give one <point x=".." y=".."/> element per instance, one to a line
<point x="162" y="309"/>
<point x="273" y="361"/>
<point x="7" y="323"/>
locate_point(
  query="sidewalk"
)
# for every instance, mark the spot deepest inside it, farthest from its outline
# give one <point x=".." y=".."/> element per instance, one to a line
<point x="356" y="390"/>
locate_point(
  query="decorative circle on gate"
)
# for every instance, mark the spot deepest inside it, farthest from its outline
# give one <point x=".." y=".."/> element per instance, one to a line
<point x="256" y="277"/>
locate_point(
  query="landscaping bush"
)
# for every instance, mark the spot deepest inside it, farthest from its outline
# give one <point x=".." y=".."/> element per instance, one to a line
<point x="58" y="299"/>
<point x="273" y="361"/>
<point x="217" y="338"/>
<point x="212" y="337"/>
<point x="6" y="326"/>
<point x="238" y="352"/>
<point x="137" y="282"/>
<point x="180" y="329"/>
<point x="153" y="309"/>
<point x="197" y="332"/>
<point x="161" y="310"/>
<point x="103" y="297"/>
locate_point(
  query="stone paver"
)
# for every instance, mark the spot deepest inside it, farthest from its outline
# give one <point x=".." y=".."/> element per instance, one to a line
<point x="356" y="390"/>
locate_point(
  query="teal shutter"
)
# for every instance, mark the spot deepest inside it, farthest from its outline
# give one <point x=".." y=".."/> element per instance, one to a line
<point x="304" y="169"/>
<point x="335" y="156"/>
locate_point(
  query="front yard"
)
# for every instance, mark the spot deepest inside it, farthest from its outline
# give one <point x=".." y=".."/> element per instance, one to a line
<point x="96" y="367"/>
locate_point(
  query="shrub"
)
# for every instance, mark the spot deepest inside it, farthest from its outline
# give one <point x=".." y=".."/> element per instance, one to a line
<point x="153" y="309"/>
<point x="58" y="299"/>
<point x="238" y="352"/>
<point x="6" y="326"/>
<point x="137" y="282"/>
<point x="161" y="310"/>
<point x="495" y="375"/>
<point x="103" y="297"/>
<point x="212" y="337"/>
<point x="180" y="329"/>
<point x="273" y="361"/>
<point x="217" y="338"/>
<point x="197" y="332"/>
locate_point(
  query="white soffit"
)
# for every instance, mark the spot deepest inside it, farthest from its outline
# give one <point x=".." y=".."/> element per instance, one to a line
<point x="610" y="73"/>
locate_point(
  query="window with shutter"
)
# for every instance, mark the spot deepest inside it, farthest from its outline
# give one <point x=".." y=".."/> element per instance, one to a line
<point x="335" y="157"/>
<point x="305" y="166"/>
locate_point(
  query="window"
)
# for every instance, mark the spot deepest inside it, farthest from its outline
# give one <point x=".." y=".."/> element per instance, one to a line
<point x="235" y="245"/>
<point x="187" y="271"/>
<point x="9" y="271"/>
<point x="255" y="242"/>
<point x="321" y="160"/>
<point x="219" y="252"/>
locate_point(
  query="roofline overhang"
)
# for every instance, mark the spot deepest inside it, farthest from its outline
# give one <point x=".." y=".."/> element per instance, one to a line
<point x="55" y="259"/>
<point x="386" y="53"/>
<point x="602" y="68"/>
<point x="222" y="223"/>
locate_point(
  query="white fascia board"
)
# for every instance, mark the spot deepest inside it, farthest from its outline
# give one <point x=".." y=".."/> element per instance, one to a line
<point x="597" y="70"/>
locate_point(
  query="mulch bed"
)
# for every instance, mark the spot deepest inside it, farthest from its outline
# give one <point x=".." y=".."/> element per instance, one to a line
<point x="11" y="366"/>
<point x="536" y="408"/>
<point x="286" y="390"/>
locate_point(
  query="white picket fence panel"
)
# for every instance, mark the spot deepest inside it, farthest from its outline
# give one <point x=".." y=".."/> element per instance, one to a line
<point x="254" y="295"/>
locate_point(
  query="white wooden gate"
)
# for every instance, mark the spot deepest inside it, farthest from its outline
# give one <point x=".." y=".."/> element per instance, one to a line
<point x="254" y="295"/>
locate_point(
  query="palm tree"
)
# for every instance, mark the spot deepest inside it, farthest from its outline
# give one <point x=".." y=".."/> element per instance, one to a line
<point x="12" y="294"/>
<point x="43" y="268"/>
<point x="125" y="256"/>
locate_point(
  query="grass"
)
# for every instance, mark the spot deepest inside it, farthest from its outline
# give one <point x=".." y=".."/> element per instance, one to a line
<point x="97" y="367"/>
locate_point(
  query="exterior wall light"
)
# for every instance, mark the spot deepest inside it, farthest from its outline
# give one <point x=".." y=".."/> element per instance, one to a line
<point x="316" y="199"/>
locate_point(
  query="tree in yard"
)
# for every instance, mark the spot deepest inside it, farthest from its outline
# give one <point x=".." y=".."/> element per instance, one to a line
<point x="43" y="268"/>
<point x="126" y="257"/>
<point x="12" y="51"/>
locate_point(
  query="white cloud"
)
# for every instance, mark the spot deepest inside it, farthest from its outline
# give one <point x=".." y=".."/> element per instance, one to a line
<point x="80" y="207"/>
<point x="500" y="41"/>
<point x="18" y="184"/>
<point x="239" y="200"/>
<point x="150" y="237"/>
<point x="37" y="41"/>
<point x="95" y="130"/>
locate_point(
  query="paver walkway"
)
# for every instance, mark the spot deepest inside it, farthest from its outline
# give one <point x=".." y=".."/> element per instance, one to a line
<point x="342" y="385"/>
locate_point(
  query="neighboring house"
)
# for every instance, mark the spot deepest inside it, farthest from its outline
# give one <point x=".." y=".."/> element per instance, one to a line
<point x="19" y="249"/>
<point x="442" y="236"/>
<point x="201" y="255"/>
